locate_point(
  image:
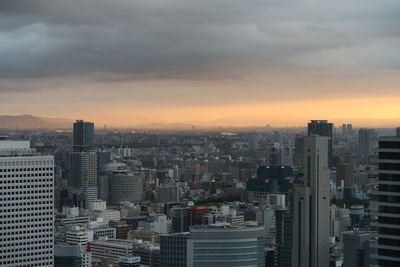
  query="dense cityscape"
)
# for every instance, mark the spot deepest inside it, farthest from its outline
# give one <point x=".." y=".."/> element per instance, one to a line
<point x="199" y="133"/>
<point x="88" y="196"/>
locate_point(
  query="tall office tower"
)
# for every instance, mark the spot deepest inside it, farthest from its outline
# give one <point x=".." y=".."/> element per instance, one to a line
<point x="173" y="250"/>
<point x="366" y="142"/>
<point x="298" y="151"/>
<point x="389" y="202"/>
<point x="83" y="136"/>
<point x="221" y="245"/>
<point x="344" y="129"/>
<point x="83" y="175"/>
<point x="349" y="129"/>
<point x="83" y="178"/>
<point x="26" y="206"/>
<point x="323" y="128"/>
<point x="345" y="173"/>
<point x="311" y="207"/>
<point x="180" y="220"/>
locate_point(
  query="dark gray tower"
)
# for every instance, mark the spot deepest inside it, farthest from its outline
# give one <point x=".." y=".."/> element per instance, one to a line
<point x="83" y="136"/>
<point x="323" y="128"/>
<point x="83" y="176"/>
<point x="389" y="202"/>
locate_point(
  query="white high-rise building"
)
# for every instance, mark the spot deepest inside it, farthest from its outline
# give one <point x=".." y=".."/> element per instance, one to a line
<point x="26" y="206"/>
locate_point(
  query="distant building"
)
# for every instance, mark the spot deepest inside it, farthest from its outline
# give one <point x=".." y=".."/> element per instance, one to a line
<point x="83" y="136"/>
<point x="125" y="186"/>
<point x="270" y="180"/>
<point x="367" y="144"/>
<point x="345" y="173"/>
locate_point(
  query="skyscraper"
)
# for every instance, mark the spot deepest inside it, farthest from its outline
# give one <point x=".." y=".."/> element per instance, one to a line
<point x="366" y="142"/>
<point x="389" y="202"/>
<point x="83" y="175"/>
<point x="83" y="136"/>
<point x="323" y="128"/>
<point x="311" y="207"/>
<point x="26" y="206"/>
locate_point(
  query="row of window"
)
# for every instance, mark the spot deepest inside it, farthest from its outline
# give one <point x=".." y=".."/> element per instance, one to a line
<point x="40" y="219"/>
<point x="25" y="209"/>
<point x="27" y="243"/>
<point x="26" y="170"/>
<point x="25" y="203"/>
<point x="26" y="233"/>
<point x="25" y="186"/>
<point x="25" y="198"/>
<point x="26" y="215"/>
<point x="33" y="181"/>
<point x="27" y="248"/>
<point x="26" y="175"/>
<point x="26" y="192"/>
<point x="22" y="238"/>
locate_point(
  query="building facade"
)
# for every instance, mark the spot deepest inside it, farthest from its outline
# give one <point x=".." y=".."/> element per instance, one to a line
<point x="389" y="202"/>
<point x="221" y="245"/>
<point x="26" y="206"/>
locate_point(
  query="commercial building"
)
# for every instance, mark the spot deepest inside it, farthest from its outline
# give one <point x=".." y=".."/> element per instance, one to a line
<point x="83" y="136"/>
<point x="221" y="245"/>
<point x="173" y="250"/>
<point x="389" y="202"/>
<point x="26" y="206"/>
<point x="125" y="186"/>
<point x="356" y="249"/>
<point x="323" y="128"/>
<point x="311" y="207"/>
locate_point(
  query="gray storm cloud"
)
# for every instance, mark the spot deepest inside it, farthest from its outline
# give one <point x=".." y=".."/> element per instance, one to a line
<point x="186" y="39"/>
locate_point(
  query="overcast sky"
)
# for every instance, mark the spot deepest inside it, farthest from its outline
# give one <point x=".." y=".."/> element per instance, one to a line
<point x="242" y="61"/>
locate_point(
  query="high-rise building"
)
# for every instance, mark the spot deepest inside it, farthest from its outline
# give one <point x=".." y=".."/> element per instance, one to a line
<point x="344" y="129"/>
<point x="173" y="249"/>
<point x="220" y="245"/>
<point x="180" y="219"/>
<point x="366" y="142"/>
<point x="83" y="178"/>
<point x="83" y="174"/>
<point x="26" y="206"/>
<point x="349" y="129"/>
<point x="389" y="202"/>
<point x="311" y="207"/>
<point x="323" y="128"/>
<point x="298" y="151"/>
<point x="345" y="173"/>
<point x="83" y="136"/>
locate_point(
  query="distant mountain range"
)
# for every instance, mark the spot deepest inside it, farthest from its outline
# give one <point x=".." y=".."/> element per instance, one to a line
<point x="32" y="122"/>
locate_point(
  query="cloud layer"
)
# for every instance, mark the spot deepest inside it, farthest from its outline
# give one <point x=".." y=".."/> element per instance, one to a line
<point x="139" y="39"/>
<point x="194" y="53"/>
